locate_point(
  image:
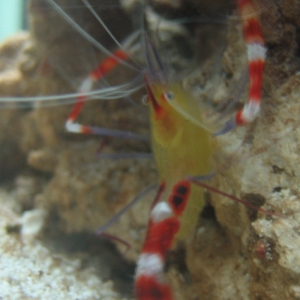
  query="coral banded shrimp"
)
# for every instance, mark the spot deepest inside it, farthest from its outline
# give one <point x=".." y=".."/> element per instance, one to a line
<point x="81" y="208"/>
<point x="172" y="128"/>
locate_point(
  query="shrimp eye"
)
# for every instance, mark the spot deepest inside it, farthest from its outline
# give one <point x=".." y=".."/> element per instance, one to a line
<point x="169" y="95"/>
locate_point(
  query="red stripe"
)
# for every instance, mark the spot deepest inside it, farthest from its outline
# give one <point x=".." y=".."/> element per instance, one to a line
<point x="239" y="120"/>
<point x="108" y="64"/>
<point x="160" y="236"/>
<point x="151" y="98"/>
<point x="256" y="72"/>
<point x="242" y="3"/>
<point x="77" y="108"/>
<point x="86" y="130"/>
<point x="253" y="32"/>
<point x="147" y="288"/>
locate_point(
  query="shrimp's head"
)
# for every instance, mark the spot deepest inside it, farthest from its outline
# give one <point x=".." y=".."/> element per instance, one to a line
<point x="174" y="135"/>
<point x="164" y="120"/>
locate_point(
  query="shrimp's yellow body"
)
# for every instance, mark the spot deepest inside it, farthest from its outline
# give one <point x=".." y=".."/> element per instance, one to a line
<point x="181" y="149"/>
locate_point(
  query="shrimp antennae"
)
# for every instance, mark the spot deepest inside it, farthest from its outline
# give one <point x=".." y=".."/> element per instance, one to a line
<point x="128" y="42"/>
<point x="89" y="6"/>
<point x="106" y="93"/>
<point x="210" y="188"/>
<point x="110" y="222"/>
<point x="88" y="36"/>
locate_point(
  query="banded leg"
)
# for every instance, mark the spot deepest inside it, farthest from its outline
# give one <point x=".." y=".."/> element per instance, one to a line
<point x="107" y="65"/>
<point x="256" y="54"/>
<point x="164" y="223"/>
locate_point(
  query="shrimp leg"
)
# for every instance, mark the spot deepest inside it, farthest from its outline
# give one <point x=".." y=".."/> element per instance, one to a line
<point x="256" y="53"/>
<point x="107" y="65"/>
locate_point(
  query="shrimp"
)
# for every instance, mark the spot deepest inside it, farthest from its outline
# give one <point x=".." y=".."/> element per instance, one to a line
<point x="173" y="184"/>
<point x="176" y="198"/>
<point x="182" y="148"/>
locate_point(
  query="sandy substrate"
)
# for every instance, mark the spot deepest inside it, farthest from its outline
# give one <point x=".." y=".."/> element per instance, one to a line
<point x="32" y="270"/>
